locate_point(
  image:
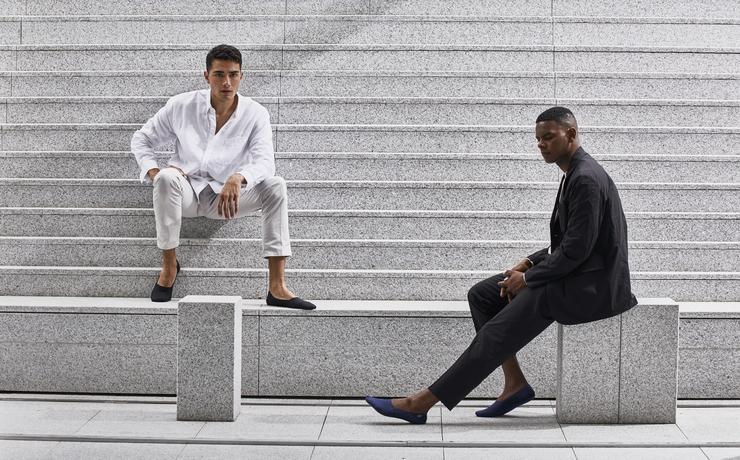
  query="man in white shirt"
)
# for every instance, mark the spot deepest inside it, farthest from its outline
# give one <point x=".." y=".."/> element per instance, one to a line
<point x="223" y="167"/>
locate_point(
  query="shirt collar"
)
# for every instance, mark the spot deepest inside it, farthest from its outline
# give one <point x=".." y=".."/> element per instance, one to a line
<point x="239" y="103"/>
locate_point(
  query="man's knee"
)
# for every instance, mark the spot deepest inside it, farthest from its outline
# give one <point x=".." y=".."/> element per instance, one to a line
<point x="274" y="187"/>
<point x="485" y="294"/>
<point x="166" y="178"/>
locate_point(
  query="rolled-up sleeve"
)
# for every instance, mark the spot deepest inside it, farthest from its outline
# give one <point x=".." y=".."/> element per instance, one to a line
<point x="260" y="158"/>
<point x="156" y="131"/>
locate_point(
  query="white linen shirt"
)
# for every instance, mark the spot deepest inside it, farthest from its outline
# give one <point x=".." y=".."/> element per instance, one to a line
<point x="243" y="144"/>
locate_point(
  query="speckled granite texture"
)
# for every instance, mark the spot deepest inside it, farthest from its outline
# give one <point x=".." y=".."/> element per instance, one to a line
<point x="209" y="347"/>
<point x="649" y="354"/>
<point x="588" y="372"/>
<point x="165" y="7"/>
<point x="339" y="224"/>
<point x="373" y="195"/>
<point x="346" y="255"/>
<point x="392" y="166"/>
<point x="622" y="369"/>
<point x="652" y="9"/>
<point x="129" y="347"/>
<point x="460" y="7"/>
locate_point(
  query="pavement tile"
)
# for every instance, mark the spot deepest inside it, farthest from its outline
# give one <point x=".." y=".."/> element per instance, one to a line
<point x="722" y="453"/>
<point x="115" y="451"/>
<point x="270" y="422"/>
<point x="509" y="453"/>
<point x="653" y="453"/>
<point x="377" y="453"/>
<point x="36" y="417"/>
<point x="623" y="433"/>
<point x="364" y="424"/>
<point x="25" y="450"/>
<point x="533" y="424"/>
<point x="709" y="424"/>
<point x="203" y="452"/>
<point x="141" y="420"/>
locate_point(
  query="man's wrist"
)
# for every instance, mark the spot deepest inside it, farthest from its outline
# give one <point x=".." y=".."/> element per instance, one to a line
<point x="238" y="177"/>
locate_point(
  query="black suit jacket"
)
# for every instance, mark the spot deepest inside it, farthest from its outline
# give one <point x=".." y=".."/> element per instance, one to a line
<point x="586" y="272"/>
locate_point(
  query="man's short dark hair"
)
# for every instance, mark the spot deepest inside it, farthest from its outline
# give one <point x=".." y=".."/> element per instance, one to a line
<point x="225" y="53"/>
<point x="562" y="115"/>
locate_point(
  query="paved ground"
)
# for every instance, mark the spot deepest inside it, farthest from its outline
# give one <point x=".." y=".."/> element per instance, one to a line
<point x="80" y="427"/>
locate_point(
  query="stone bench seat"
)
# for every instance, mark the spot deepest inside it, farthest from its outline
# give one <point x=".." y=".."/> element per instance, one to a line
<point x="621" y="369"/>
<point x="129" y="346"/>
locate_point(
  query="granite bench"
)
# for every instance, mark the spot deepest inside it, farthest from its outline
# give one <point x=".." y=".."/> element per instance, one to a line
<point x="209" y="358"/>
<point x="621" y="369"/>
<point x="129" y="346"/>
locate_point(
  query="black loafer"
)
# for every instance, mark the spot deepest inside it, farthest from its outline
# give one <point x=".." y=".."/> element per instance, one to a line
<point x="161" y="293"/>
<point x="295" y="302"/>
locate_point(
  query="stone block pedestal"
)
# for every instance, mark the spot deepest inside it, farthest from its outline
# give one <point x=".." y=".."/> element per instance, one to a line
<point x="622" y="369"/>
<point x="209" y="341"/>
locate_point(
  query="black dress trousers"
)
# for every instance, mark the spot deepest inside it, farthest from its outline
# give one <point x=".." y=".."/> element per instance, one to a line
<point x="502" y="329"/>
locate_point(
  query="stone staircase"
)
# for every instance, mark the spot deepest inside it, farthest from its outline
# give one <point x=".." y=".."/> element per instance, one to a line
<point x="403" y="128"/>
<point x="405" y="132"/>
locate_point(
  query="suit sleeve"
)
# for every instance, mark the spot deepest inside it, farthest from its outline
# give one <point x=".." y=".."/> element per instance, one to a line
<point x="538" y="256"/>
<point x="585" y="209"/>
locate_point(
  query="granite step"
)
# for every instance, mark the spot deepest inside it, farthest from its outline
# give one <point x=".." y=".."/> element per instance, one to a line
<point x="375" y="254"/>
<point x="376" y="58"/>
<point x="326" y="284"/>
<point x="516" y="167"/>
<point x="278" y="29"/>
<point x="401" y="195"/>
<point x="633" y="8"/>
<point x="361" y="224"/>
<point x="397" y="138"/>
<point x="362" y="29"/>
<point x="394" y="111"/>
<point x="296" y="83"/>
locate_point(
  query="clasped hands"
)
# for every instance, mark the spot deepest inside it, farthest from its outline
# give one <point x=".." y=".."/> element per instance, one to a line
<point x="514" y="281"/>
<point x="228" y="199"/>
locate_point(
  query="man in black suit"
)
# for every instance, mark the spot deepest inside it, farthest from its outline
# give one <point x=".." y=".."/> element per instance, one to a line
<point x="583" y="276"/>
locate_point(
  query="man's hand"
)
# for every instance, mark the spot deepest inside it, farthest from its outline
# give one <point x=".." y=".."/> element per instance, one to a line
<point x="152" y="172"/>
<point x="522" y="266"/>
<point x="228" y="199"/>
<point x="512" y="284"/>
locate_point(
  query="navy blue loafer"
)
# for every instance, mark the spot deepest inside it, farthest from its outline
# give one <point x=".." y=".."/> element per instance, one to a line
<point x="384" y="407"/>
<point x="504" y="406"/>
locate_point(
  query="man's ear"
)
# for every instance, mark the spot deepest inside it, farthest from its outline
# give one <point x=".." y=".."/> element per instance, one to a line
<point x="205" y="75"/>
<point x="572" y="134"/>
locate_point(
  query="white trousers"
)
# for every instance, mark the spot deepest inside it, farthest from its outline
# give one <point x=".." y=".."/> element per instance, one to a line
<point x="174" y="198"/>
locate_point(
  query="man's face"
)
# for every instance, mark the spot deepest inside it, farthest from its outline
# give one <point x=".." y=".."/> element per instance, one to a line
<point x="224" y="78"/>
<point x="554" y="140"/>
